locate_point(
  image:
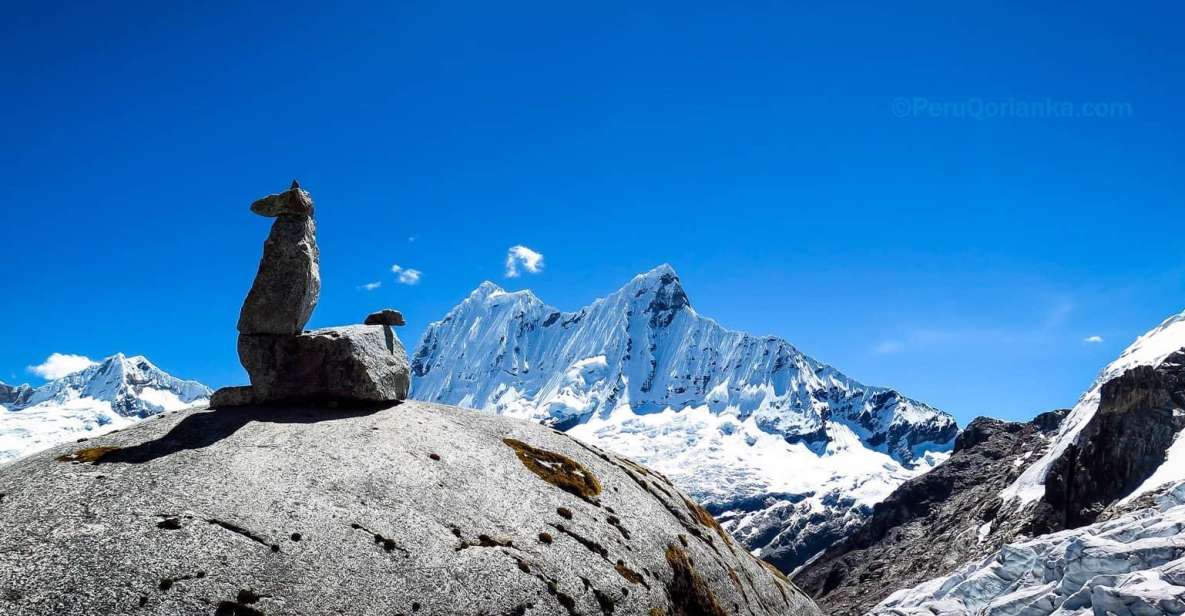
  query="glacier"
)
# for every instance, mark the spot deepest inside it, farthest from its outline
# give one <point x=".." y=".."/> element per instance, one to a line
<point x="110" y="395"/>
<point x="1131" y="565"/>
<point x="787" y="452"/>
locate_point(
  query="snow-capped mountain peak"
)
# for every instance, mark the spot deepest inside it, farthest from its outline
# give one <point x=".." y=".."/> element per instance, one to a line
<point x="112" y="393"/>
<point x="641" y="373"/>
<point x="133" y="386"/>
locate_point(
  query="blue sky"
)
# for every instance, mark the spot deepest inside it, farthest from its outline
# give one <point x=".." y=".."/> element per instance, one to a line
<point x="811" y="172"/>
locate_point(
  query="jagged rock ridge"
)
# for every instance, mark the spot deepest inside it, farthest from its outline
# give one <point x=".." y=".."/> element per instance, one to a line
<point x="1123" y="444"/>
<point x="724" y="413"/>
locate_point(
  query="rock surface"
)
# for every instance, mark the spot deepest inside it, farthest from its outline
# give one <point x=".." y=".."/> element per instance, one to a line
<point x="288" y="281"/>
<point x="419" y="508"/>
<point x="239" y="395"/>
<point x="1122" y="445"/>
<point x="350" y="363"/>
<point x="293" y="201"/>
<point x="931" y="524"/>
<point x="385" y="316"/>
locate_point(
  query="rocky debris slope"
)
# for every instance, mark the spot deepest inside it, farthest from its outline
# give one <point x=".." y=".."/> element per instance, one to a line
<point x="1133" y="565"/>
<point x="723" y="413"/>
<point x="411" y="509"/>
<point x="113" y="393"/>
<point x="351" y="364"/>
<point x="933" y="523"/>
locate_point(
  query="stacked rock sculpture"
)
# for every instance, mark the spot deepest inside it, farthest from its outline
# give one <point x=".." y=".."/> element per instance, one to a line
<point x="353" y="363"/>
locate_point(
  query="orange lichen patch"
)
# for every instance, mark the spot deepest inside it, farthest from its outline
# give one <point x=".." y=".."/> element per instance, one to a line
<point x="656" y="612"/>
<point x="690" y="596"/>
<point x="629" y="574"/>
<point x="703" y="517"/>
<point x="90" y="454"/>
<point x="558" y="470"/>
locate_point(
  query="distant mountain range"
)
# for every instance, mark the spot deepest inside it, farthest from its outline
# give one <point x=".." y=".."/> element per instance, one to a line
<point x="111" y="394"/>
<point x="787" y="452"/>
<point x="1077" y="511"/>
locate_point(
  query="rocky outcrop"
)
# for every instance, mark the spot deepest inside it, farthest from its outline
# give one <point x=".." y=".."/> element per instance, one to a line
<point x="954" y="515"/>
<point x="288" y="282"/>
<point x="236" y="395"/>
<point x="351" y="363"/>
<point x="933" y="523"/>
<point x="411" y="509"/>
<point x="1124" y="443"/>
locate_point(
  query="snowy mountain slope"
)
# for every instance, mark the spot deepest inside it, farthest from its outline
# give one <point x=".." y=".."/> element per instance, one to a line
<point x="1128" y="566"/>
<point x="109" y="395"/>
<point x="788" y="452"/>
<point x="1151" y="349"/>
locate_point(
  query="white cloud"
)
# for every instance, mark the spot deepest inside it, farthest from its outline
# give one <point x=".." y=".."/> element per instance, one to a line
<point x="528" y="259"/>
<point x="1093" y="339"/>
<point x="58" y="365"/>
<point x="370" y="286"/>
<point x="406" y="275"/>
<point x="888" y="347"/>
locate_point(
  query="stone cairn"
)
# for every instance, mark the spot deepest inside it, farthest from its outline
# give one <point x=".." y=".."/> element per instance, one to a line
<point x="347" y="364"/>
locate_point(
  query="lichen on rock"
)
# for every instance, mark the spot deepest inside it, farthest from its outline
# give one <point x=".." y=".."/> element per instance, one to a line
<point x="384" y="528"/>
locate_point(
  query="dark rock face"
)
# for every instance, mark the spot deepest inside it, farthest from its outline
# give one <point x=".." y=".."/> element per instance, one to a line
<point x="16" y="396"/>
<point x="385" y="316"/>
<point x="417" y="509"/>
<point x="288" y="282"/>
<point x="933" y="523"/>
<point x="668" y="299"/>
<point x="1122" y="445"/>
<point x="792" y="529"/>
<point x="351" y="363"/>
